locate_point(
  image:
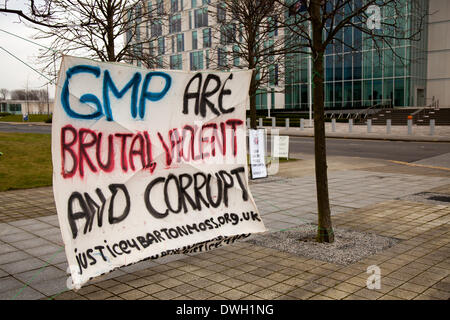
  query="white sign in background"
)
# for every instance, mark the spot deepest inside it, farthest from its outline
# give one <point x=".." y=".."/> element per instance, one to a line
<point x="148" y="163"/>
<point x="280" y="146"/>
<point x="257" y="150"/>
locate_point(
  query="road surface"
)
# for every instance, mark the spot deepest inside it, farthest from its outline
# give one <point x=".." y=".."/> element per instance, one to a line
<point x="408" y="151"/>
<point x="26" y="128"/>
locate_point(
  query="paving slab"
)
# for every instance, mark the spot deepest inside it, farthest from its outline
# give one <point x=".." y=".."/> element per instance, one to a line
<point x="23" y="265"/>
<point x="25" y="293"/>
<point x="44" y="274"/>
<point x="9" y="284"/>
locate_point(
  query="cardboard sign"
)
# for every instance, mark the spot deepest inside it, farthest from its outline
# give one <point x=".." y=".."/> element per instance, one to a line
<point x="257" y="149"/>
<point x="280" y="147"/>
<point x="148" y="163"/>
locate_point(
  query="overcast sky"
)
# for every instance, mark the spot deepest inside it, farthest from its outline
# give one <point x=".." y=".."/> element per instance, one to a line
<point x="15" y="74"/>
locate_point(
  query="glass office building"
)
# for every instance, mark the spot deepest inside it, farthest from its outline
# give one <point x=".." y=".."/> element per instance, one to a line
<point x="360" y="72"/>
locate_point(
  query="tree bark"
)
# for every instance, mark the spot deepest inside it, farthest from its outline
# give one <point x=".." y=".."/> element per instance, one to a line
<point x="252" y="94"/>
<point x="324" y="229"/>
<point x="110" y="33"/>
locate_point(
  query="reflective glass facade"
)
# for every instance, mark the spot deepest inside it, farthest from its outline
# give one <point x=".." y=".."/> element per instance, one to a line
<point x="360" y="73"/>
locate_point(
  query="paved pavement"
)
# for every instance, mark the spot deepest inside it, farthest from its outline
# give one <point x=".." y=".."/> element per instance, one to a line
<point x="442" y="160"/>
<point x="398" y="133"/>
<point x="365" y="196"/>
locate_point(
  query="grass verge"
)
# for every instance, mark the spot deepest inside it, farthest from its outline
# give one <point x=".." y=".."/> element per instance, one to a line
<point x="26" y="161"/>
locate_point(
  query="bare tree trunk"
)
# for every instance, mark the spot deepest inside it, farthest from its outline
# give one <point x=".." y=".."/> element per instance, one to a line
<point x="110" y="33"/>
<point x="325" y="229"/>
<point x="252" y="93"/>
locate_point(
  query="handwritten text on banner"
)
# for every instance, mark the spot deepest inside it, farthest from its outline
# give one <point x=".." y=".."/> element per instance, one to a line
<point x="148" y="163"/>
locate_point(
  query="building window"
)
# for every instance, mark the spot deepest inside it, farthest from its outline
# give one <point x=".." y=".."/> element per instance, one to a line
<point x="269" y="48"/>
<point x="156" y="28"/>
<point x="207" y="58"/>
<point x="129" y="36"/>
<point x="273" y="75"/>
<point x="222" y="57"/>
<point x="196" y="59"/>
<point x="160" y="62"/>
<point x="190" y="20"/>
<point x="129" y="33"/>
<point x="201" y="17"/>
<point x="149" y="8"/>
<point x="193" y="3"/>
<point x="151" y="48"/>
<point x="15" y="107"/>
<point x="160" y="7"/>
<point x="227" y="34"/>
<point x="180" y="42"/>
<point x="173" y="6"/>
<point x="261" y="99"/>
<point x="176" y="62"/>
<point x="137" y="17"/>
<point x="194" y="40"/>
<point x="273" y="27"/>
<point x="138" y="14"/>
<point x="236" y="56"/>
<point x="221" y="13"/>
<point x="207" y="38"/>
<point x="161" y="46"/>
<point x="175" y="23"/>
<point x="138" y="34"/>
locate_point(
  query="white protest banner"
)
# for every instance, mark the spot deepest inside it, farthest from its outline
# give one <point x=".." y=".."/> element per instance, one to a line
<point x="257" y="150"/>
<point x="148" y="163"/>
<point x="280" y="146"/>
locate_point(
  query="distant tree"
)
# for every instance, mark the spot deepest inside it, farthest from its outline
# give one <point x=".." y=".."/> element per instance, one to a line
<point x="320" y="24"/>
<point x="4" y="93"/>
<point x="105" y="30"/>
<point x="32" y="95"/>
<point x="36" y="15"/>
<point x="19" y="94"/>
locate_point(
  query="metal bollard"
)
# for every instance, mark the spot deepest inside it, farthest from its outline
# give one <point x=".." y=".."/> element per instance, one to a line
<point x="350" y="125"/>
<point x="273" y="122"/>
<point x="333" y="125"/>
<point x="248" y="122"/>
<point x="260" y="122"/>
<point x="369" y="125"/>
<point x="409" y="126"/>
<point x="287" y="124"/>
<point x="302" y="124"/>
<point x="432" y="124"/>
<point x="388" y="126"/>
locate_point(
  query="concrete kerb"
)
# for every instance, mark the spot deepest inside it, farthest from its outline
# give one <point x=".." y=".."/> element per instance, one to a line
<point x="365" y="136"/>
<point x="27" y="123"/>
